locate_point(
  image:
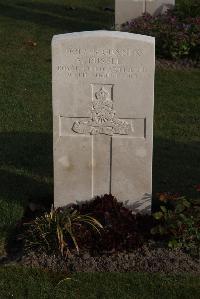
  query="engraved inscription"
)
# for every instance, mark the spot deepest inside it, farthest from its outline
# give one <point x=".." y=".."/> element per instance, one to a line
<point x="103" y="63"/>
<point x="98" y="71"/>
<point x="103" y="118"/>
<point x="105" y="52"/>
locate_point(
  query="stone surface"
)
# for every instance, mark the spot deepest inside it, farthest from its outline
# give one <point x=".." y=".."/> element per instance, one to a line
<point x="126" y="10"/>
<point x="155" y="7"/>
<point x="103" y="93"/>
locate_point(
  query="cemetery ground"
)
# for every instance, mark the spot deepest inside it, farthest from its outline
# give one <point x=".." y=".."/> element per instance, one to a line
<point x="26" y="168"/>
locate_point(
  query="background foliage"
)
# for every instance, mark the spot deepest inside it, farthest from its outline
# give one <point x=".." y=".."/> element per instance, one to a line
<point x="177" y="32"/>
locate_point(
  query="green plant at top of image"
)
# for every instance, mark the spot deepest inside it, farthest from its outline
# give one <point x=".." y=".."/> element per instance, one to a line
<point x="56" y="231"/>
<point x="179" y="220"/>
<point x="177" y="32"/>
<point x="187" y="8"/>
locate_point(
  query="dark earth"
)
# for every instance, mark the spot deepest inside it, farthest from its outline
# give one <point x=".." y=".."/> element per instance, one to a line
<point x="124" y="245"/>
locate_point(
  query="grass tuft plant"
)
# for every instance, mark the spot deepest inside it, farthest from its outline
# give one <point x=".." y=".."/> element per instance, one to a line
<point x="57" y="230"/>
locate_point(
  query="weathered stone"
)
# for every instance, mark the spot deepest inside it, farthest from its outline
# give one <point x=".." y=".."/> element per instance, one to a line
<point x="103" y="92"/>
<point x="156" y="7"/>
<point x="126" y="10"/>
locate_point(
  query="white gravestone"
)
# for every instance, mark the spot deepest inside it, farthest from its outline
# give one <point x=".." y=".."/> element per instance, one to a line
<point x="103" y="94"/>
<point x="155" y="7"/>
<point x="126" y="10"/>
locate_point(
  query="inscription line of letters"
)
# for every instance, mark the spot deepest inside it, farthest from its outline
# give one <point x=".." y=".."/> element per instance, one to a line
<point x="101" y="63"/>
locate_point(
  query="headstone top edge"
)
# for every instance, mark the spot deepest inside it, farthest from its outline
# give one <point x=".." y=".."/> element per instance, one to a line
<point x="103" y="33"/>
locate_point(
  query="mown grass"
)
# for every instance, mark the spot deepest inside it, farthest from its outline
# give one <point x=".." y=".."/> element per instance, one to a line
<point x="26" y="162"/>
<point x="176" y="131"/>
<point x="26" y="30"/>
<point x="19" y="283"/>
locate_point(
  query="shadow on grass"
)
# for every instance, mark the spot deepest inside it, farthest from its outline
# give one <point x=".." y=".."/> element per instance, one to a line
<point x="26" y="173"/>
<point x="93" y="13"/>
<point x="26" y="161"/>
<point x="58" y="16"/>
<point x="176" y="166"/>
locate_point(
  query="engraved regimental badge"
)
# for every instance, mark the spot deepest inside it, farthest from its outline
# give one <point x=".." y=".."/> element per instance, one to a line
<point x="103" y="118"/>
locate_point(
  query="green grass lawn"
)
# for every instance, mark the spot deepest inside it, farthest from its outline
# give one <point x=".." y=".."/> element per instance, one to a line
<point x="26" y="163"/>
<point x="25" y="94"/>
<point x="19" y="283"/>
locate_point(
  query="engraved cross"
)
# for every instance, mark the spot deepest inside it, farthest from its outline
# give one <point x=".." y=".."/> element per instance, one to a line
<point x="103" y="121"/>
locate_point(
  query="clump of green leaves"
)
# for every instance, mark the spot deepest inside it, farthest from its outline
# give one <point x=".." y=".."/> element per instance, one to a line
<point x="177" y="36"/>
<point x="179" y="221"/>
<point x="187" y="8"/>
<point x="57" y="231"/>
